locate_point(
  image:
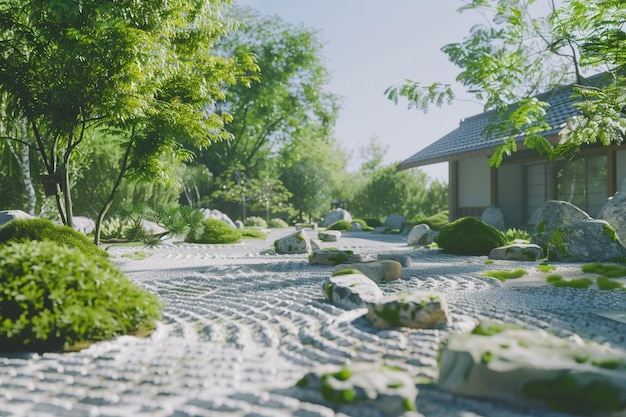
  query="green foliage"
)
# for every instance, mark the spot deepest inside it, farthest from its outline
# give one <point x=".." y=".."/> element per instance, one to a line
<point x="252" y="233"/>
<point x="489" y="328"/>
<point x="364" y="226"/>
<point x="504" y="275"/>
<point x="277" y="223"/>
<point x="558" y="281"/>
<point x="310" y="185"/>
<point x="24" y="230"/>
<point x="611" y="271"/>
<point x="469" y="236"/>
<point x="605" y="283"/>
<point x="53" y="297"/>
<point x="517" y="234"/>
<point x="546" y="268"/>
<point x="340" y="225"/>
<point x="254" y="221"/>
<point x="435" y="222"/>
<point x="216" y="232"/>
<point x="373" y="222"/>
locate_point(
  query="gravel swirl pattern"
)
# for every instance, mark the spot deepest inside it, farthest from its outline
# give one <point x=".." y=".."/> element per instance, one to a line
<point x="241" y="326"/>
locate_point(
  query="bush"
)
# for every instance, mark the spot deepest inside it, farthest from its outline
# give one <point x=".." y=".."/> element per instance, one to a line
<point x="53" y="297"/>
<point x="469" y="236"/>
<point x="277" y="223"/>
<point x="340" y="225"/>
<point x="254" y="221"/>
<point x="435" y="222"/>
<point x="24" y="230"/>
<point x="214" y="231"/>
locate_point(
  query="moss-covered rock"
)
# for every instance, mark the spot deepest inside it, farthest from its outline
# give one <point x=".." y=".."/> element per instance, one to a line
<point x="469" y="236"/>
<point x="216" y="232"/>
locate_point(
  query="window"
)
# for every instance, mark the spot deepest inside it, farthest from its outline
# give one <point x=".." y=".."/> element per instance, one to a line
<point x="583" y="182"/>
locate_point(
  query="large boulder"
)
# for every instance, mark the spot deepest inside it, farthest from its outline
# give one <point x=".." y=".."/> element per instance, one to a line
<point x="8" y="215"/>
<point x="216" y="214"/>
<point x="298" y="242"/>
<point x="534" y="368"/>
<point x="584" y="241"/>
<point x="377" y="271"/>
<point x="420" y="235"/>
<point x="614" y="212"/>
<point x="494" y="217"/>
<point x="350" y="290"/>
<point x="334" y="216"/>
<point x="414" y="309"/>
<point x="551" y="215"/>
<point x="469" y="236"/>
<point x="395" y="222"/>
<point x="387" y="390"/>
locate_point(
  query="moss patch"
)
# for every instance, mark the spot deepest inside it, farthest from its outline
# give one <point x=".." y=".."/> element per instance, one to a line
<point x="489" y="328"/>
<point x="558" y="281"/>
<point x="607" y="284"/>
<point x="469" y="236"/>
<point x="607" y="270"/>
<point x="504" y="275"/>
<point x="546" y="268"/>
<point x="347" y="272"/>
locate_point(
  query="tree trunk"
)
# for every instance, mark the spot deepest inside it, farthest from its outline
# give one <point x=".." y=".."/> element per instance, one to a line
<point x="31" y="196"/>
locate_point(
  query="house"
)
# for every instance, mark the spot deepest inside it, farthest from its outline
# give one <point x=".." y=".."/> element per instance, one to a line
<point x="524" y="180"/>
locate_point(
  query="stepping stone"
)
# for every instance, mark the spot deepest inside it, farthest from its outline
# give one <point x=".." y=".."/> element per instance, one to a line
<point x="351" y="290"/>
<point x="415" y="309"/>
<point x="377" y="271"/>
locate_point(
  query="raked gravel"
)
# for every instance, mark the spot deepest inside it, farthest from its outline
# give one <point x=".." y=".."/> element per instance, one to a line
<point x="241" y="326"/>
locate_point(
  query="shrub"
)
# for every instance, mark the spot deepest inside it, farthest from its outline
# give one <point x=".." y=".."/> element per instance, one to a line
<point x="517" y="234"/>
<point x="24" y="230"/>
<point x="435" y="222"/>
<point x="254" y="221"/>
<point x="277" y="223"/>
<point x="252" y="233"/>
<point x="214" y="231"/>
<point x="53" y="297"/>
<point x="340" y="225"/>
<point x="469" y="236"/>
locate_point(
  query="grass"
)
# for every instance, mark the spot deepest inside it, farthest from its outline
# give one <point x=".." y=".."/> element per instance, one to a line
<point x="504" y="275"/>
<point x="610" y="271"/>
<point x="607" y="284"/>
<point x="252" y="233"/>
<point x="546" y="268"/>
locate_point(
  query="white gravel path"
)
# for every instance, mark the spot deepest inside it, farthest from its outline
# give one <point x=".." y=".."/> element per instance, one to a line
<point x="242" y="326"/>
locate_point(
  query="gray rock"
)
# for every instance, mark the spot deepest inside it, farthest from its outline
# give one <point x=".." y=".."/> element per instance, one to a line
<point x="517" y="252"/>
<point x="84" y="224"/>
<point x="614" y="212"/>
<point x="415" y="309"/>
<point x="404" y="260"/>
<point x="494" y="217"/>
<point x="239" y="224"/>
<point x="395" y="222"/>
<point x="377" y="271"/>
<point x="8" y="215"/>
<point x="380" y="230"/>
<point x="153" y="228"/>
<point x="389" y="391"/>
<point x="420" y="235"/>
<point x="534" y="368"/>
<point x="335" y="216"/>
<point x="350" y="291"/>
<point x="216" y="214"/>
<point x="333" y="257"/>
<point x="356" y="227"/>
<point x="551" y="215"/>
<point x="585" y="241"/>
<point x="329" y="235"/>
<point x="298" y="242"/>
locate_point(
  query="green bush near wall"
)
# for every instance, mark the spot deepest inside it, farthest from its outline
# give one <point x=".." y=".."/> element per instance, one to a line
<point x="56" y="298"/>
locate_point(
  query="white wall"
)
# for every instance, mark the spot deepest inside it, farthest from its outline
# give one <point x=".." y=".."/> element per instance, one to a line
<point x="474" y="184"/>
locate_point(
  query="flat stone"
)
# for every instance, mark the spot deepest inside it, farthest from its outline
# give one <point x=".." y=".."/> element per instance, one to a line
<point x="350" y="291"/>
<point x="377" y="271"/>
<point x="329" y="235"/>
<point x="415" y="309"/>
<point x="333" y="257"/>
<point x="404" y="260"/>
<point x="298" y="242"/>
<point x="517" y="252"/>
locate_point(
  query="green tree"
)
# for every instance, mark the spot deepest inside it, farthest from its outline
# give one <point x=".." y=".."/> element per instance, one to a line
<point x="284" y="105"/>
<point x="310" y="185"/>
<point x="518" y="55"/>
<point x="145" y="69"/>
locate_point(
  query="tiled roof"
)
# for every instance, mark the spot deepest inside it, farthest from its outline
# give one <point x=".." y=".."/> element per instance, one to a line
<point x="469" y="137"/>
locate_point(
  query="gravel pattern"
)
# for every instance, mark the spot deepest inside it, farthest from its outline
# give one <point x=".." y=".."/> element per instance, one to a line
<point x="241" y="326"/>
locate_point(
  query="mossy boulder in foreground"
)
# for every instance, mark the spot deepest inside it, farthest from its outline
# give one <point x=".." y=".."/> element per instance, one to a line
<point x="54" y="298"/>
<point x="469" y="236"/>
<point x="535" y="368"/>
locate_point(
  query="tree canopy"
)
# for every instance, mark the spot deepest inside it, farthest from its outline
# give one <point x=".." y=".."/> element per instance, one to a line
<point x="517" y="55"/>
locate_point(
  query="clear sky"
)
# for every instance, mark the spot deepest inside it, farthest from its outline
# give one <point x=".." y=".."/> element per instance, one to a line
<point x="373" y="44"/>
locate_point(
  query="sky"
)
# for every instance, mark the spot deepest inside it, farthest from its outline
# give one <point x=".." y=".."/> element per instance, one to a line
<point x="370" y="45"/>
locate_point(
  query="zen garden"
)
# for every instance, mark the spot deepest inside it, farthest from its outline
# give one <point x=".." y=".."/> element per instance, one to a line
<point x="180" y="234"/>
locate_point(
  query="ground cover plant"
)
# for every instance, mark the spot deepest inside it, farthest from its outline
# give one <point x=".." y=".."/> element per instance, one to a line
<point x="214" y="231"/>
<point x="340" y="225"/>
<point x="25" y="230"/>
<point x="607" y="284"/>
<point x="607" y="270"/>
<point x="435" y="222"/>
<point x="469" y="236"/>
<point x="558" y="281"/>
<point x="252" y="233"/>
<point x="56" y="298"/>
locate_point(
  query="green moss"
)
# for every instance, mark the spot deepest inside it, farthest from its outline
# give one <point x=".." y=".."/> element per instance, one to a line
<point x="607" y="284"/>
<point x="565" y="394"/>
<point x="486" y="357"/>
<point x="394" y="385"/>
<point x="340" y="225"/>
<point x="328" y="289"/>
<point x="608" y="270"/>
<point x="489" y="261"/>
<point x="303" y="382"/>
<point x="343" y="374"/>
<point x="546" y="268"/>
<point x="347" y="272"/>
<point x="558" y="281"/>
<point x="607" y="364"/>
<point x="339" y="396"/>
<point x="338" y="258"/>
<point x="390" y="313"/>
<point x="610" y="233"/>
<point x="541" y="227"/>
<point x="215" y="232"/>
<point x="469" y="236"/>
<point x="489" y="328"/>
<point x="409" y="405"/>
<point x="581" y="359"/>
<point x="557" y="242"/>
<point x="136" y="256"/>
<point x="504" y="275"/>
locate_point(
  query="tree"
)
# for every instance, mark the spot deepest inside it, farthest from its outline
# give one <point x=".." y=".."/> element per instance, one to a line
<point x="288" y="100"/>
<point x="145" y="70"/>
<point x="310" y="186"/>
<point x="517" y="56"/>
